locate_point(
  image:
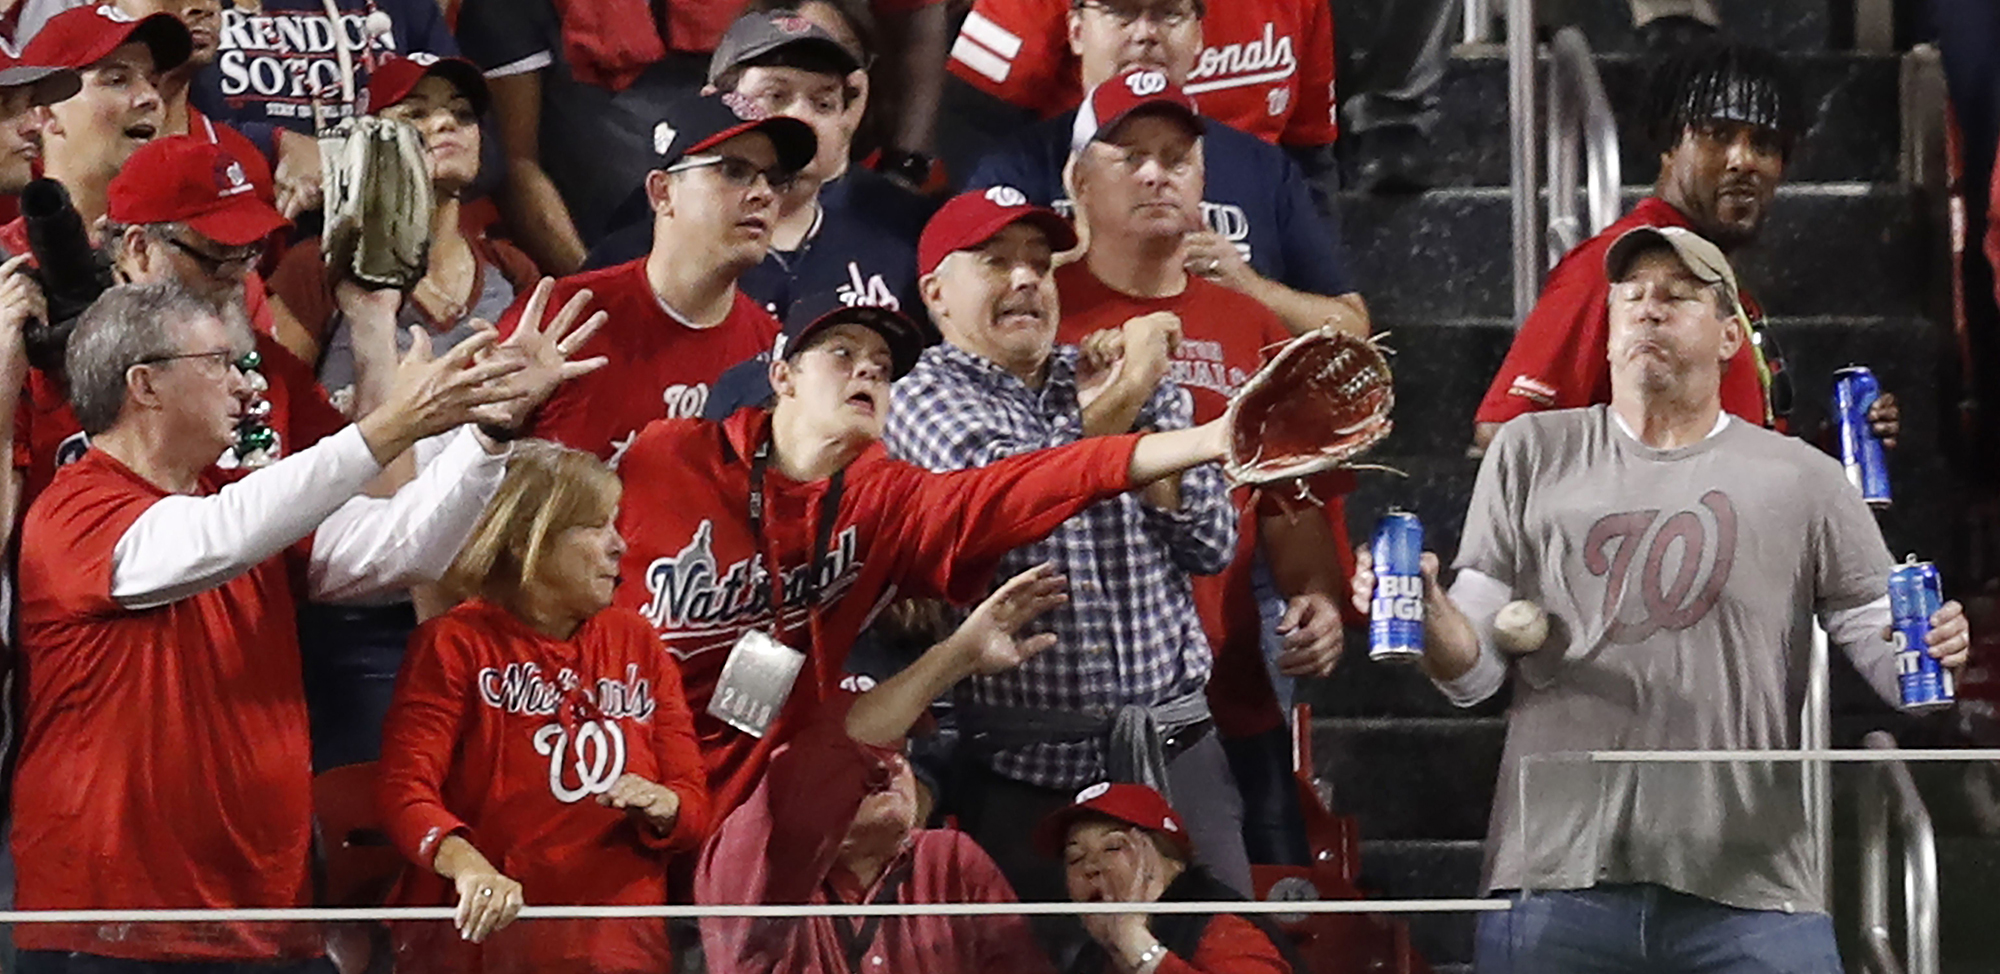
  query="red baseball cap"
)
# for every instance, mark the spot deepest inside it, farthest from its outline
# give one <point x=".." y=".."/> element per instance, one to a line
<point x="971" y="218"/>
<point x="182" y="179"/>
<point x="394" y="77"/>
<point x="1135" y="805"/>
<point x="82" y="36"/>
<point x="1137" y="89"/>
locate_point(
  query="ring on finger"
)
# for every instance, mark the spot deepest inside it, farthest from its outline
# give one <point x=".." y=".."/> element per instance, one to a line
<point x="488" y="891"/>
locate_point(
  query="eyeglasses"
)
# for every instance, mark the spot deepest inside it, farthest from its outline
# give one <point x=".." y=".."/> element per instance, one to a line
<point x="212" y="264"/>
<point x="740" y="173"/>
<point x="1167" y="18"/>
<point x="223" y="358"/>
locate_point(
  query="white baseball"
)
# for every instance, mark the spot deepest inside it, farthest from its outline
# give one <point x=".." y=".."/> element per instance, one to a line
<point x="378" y="24"/>
<point x="1520" y="628"/>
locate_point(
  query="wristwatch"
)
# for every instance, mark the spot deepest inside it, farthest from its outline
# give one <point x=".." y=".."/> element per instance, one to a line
<point x="1151" y="958"/>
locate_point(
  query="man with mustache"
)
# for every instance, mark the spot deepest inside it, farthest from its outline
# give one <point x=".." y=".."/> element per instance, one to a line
<point x="1121" y="694"/>
<point x="1727" y="118"/>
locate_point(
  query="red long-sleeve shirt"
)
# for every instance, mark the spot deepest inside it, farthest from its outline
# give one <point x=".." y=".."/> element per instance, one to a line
<point x="1230" y="945"/>
<point x="781" y="846"/>
<point x="695" y="571"/>
<point x="483" y="742"/>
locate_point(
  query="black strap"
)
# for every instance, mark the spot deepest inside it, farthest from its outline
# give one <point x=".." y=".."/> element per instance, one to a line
<point x="829" y="513"/>
<point x="855" y="941"/>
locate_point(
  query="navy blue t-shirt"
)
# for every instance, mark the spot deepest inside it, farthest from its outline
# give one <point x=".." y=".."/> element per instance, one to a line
<point x="1256" y="196"/>
<point x="269" y="64"/>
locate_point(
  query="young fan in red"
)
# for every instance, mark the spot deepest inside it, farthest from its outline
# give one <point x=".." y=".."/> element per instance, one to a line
<point x="539" y="744"/>
<point x="877" y="528"/>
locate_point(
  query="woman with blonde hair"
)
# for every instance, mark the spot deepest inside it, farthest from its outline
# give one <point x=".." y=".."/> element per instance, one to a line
<point x="539" y="743"/>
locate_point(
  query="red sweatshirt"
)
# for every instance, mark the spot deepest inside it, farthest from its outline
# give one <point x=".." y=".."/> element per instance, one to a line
<point x="482" y="741"/>
<point x="694" y="570"/>
<point x="780" y="847"/>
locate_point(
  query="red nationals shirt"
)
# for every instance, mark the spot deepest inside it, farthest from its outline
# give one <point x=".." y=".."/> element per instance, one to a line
<point x="1266" y="67"/>
<point x="695" y="570"/>
<point x="1225" y="338"/>
<point x="1559" y="359"/>
<point x="47" y="436"/>
<point x="164" y="754"/>
<point x="485" y="740"/>
<point x="660" y="367"/>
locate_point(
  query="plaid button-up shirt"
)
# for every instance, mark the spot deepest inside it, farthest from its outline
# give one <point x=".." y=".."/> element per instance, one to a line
<point x="1129" y="633"/>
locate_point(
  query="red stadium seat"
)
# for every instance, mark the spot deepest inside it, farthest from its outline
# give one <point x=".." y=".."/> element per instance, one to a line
<point x="358" y="866"/>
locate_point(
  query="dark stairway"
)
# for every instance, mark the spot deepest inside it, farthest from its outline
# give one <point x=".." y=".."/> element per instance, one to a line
<point x="1850" y="269"/>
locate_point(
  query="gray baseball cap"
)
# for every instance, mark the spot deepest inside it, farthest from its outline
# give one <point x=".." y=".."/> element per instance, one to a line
<point x="754" y="35"/>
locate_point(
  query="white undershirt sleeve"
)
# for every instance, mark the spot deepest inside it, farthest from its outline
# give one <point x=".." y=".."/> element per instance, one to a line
<point x="184" y="545"/>
<point x="1480" y="597"/>
<point x="1858" y="633"/>
<point x="372" y="544"/>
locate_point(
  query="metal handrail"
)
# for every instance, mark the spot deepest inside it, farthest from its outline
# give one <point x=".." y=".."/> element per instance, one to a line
<point x="1522" y="179"/>
<point x="1580" y="122"/>
<point x="1920" y="871"/>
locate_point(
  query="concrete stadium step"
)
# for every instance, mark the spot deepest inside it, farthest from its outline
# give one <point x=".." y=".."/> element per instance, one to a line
<point x="1428" y="869"/>
<point x="1850" y="100"/>
<point x="1828" y="249"/>
<point x="1411" y="778"/>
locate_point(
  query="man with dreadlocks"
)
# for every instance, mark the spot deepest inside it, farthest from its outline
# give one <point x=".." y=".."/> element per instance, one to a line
<point x="1725" y="119"/>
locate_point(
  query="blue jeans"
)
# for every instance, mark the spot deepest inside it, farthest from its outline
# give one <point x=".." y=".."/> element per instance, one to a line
<point x="1647" y="929"/>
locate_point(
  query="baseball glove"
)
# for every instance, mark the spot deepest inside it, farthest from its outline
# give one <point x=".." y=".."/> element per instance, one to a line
<point x="1323" y="400"/>
<point x="378" y="203"/>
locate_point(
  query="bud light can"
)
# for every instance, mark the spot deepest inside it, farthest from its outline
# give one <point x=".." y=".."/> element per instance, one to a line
<point x="1916" y="594"/>
<point x="1854" y="391"/>
<point x="1396" y="616"/>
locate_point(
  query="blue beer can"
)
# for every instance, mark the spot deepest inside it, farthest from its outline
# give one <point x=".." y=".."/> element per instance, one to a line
<point x="1854" y="391"/>
<point x="1915" y="594"/>
<point x="1396" y="615"/>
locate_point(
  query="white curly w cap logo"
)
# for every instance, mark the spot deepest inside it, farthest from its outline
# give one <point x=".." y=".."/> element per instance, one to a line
<point x="1098" y="790"/>
<point x="1146" y="84"/>
<point x="1006" y="196"/>
<point x="113" y="14"/>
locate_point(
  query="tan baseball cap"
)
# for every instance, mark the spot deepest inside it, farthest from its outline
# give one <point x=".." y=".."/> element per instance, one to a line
<point x="1703" y="259"/>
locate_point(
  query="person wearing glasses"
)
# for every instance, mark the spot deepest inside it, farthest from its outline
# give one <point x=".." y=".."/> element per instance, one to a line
<point x="678" y="318"/>
<point x="184" y="211"/>
<point x="164" y="748"/>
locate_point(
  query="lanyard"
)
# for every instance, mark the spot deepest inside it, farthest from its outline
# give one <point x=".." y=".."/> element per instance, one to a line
<point x="829" y="512"/>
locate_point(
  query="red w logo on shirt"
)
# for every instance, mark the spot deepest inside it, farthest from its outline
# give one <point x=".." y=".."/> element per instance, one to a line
<point x="1698" y="545"/>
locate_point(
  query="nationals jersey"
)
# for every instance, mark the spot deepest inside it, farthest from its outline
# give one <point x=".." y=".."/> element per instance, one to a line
<point x="661" y="367"/>
<point x="164" y="754"/>
<point x="1683" y="584"/>
<point x="1559" y="359"/>
<point x="698" y="572"/>
<point x="506" y="737"/>
<point x="1225" y="338"/>
<point x="1266" y="66"/>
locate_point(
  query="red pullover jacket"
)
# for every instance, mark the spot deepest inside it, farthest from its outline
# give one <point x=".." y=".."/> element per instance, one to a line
<point x="899" y="531"/>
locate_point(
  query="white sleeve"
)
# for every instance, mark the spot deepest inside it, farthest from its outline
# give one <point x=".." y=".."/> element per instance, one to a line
<point x="375" y="544"/>
<point x="1480" y="597"/>
<point x="1858" y="633"/>
<point x="184" y="545"/>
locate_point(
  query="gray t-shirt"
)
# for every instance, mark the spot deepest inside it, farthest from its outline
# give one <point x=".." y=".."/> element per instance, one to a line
<point x="336" y="364"/>
<point x="1688" y="581"/>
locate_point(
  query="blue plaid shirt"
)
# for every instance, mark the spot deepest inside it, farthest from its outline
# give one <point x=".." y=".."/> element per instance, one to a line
<point x="1129" y="633"/>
